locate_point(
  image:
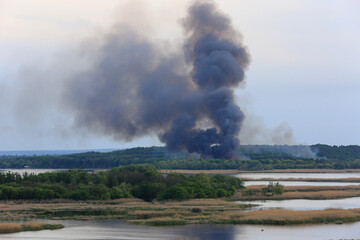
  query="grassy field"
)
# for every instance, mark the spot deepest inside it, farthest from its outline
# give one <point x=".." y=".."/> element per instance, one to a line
<point x="30" y="226"/>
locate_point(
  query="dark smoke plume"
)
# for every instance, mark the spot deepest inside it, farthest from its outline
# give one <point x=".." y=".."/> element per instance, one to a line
<point x="137" y="87"/>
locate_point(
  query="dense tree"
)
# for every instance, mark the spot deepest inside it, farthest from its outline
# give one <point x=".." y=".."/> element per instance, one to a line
<point x="262" y="158"/>
<point x="140" y="181"/>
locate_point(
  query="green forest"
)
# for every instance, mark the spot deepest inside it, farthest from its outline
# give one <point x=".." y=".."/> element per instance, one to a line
<point x="248" y="157"/>
<point x="133" y="181"/>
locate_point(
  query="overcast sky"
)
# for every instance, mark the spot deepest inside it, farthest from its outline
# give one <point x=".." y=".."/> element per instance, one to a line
<point x="303" y="81"/>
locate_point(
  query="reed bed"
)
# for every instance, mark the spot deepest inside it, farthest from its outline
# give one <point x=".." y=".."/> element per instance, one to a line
<point x="301" y="192"/>
<point x="214" y="171"/>
<point x="10" y="227"/>
<point x="30" y="226"/>
<point x="319" y="195"/>
<point x="161" y="222"/>
<point x="303" y="171"/>
<point x="196" y="211"/>
<point x="320" y="188"/>
<point x="296" y="217"/>
<point x="350" y="179"/>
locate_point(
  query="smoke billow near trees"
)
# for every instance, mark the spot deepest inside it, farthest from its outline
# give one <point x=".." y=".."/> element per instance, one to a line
<point x="137" y="87"/>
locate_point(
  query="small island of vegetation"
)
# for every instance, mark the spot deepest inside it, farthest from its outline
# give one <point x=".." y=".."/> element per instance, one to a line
<point x="133" y="181"/>
<point x="29" y="226"/>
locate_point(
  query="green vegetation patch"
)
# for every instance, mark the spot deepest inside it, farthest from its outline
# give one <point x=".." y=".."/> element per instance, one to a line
<point x="30" y="226"/>
<point x="133" y="181"/>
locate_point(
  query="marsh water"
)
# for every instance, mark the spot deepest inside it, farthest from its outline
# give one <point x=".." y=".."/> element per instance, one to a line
<point x="117" y="229"/>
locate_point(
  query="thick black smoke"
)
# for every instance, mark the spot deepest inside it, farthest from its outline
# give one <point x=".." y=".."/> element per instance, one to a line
<point x="137" y="87"/>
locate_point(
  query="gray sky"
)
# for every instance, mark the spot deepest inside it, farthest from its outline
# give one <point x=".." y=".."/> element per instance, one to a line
<point x="302" y="86"/>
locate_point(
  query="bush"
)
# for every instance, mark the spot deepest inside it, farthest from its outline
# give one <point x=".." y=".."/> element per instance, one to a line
<point x="247" y="192"/>
<point x="273" y="189"/>
<point x="196" y="210"/>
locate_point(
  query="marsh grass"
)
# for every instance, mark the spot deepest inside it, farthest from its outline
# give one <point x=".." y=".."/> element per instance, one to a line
<point x="303" y="171"/>
<point x="281" y="217"/>
<point x="142" y="214"/>
<point x="196" y="211"/>
<point x="210" y="172"/>
<point x="30" y="226"/>
<point x="10" y="227"/>
<point x="350" y="179"/>
<point x="302" y="192"/>
<point x="161" y="221"/>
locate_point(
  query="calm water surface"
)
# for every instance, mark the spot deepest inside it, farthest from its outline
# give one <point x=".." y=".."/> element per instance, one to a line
<point x="117" y="229"/>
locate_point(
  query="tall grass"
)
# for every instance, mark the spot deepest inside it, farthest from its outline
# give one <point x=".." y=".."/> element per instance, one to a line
<point x="302" y="192"/>
<point x="194" y="211"/>
<point x="304" y="171"/>
<point x="349" y="179"/>
<point x="276" y="216"/>
<point x="162" y="221"/>
<point x="10" y="227"/>
<point x="30" y="226"/>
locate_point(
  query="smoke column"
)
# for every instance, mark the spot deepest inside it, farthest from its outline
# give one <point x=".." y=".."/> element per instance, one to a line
<point x="137" y="87"/>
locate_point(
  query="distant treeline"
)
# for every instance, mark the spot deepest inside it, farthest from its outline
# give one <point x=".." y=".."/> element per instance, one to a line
<point x="140" y="181"/>
<point x="350" y="152"/>
<point x="249" y="157"/>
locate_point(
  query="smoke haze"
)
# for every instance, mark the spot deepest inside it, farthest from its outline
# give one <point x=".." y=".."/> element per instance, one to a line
<point x="138" y="87"/>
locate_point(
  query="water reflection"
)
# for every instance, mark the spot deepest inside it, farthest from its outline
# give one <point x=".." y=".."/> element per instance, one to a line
<point x="117" y="229"/>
